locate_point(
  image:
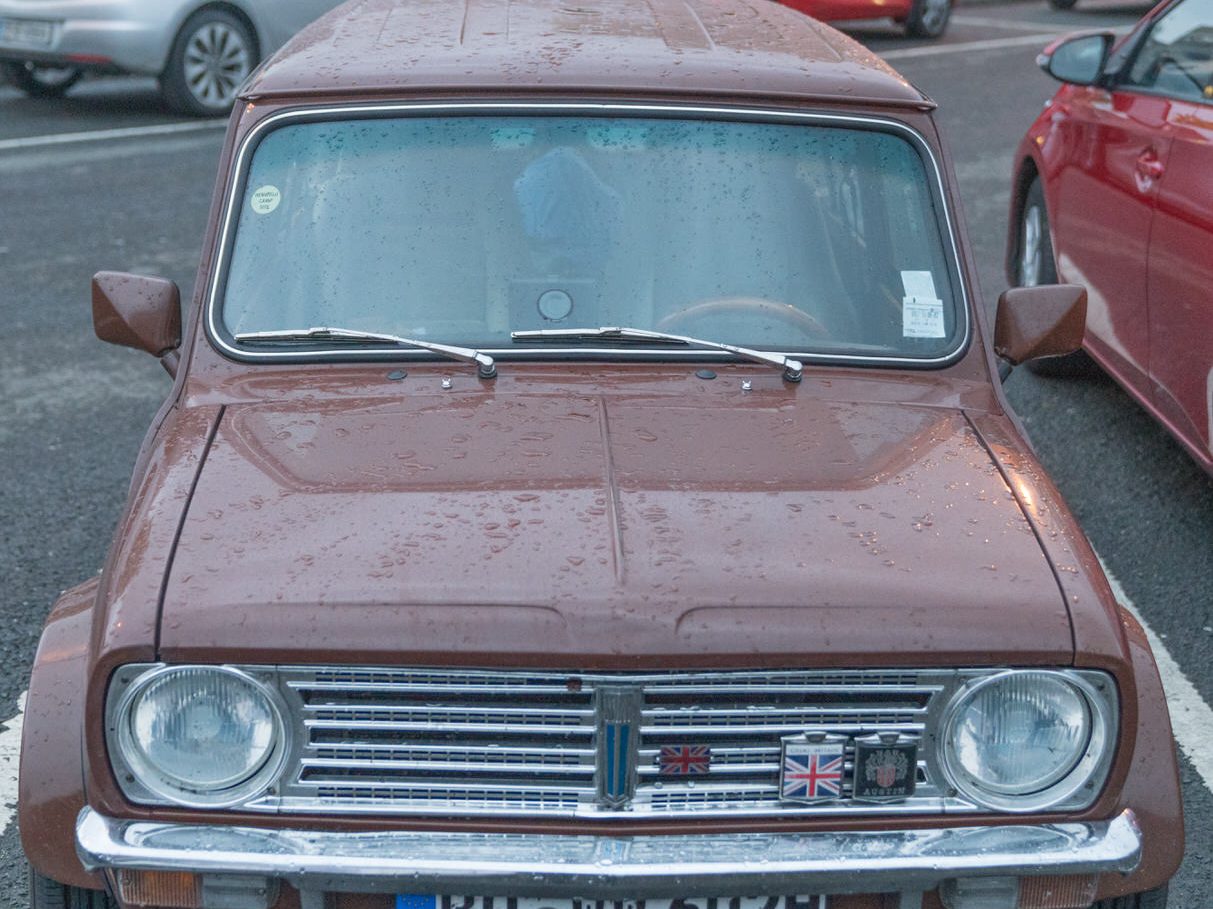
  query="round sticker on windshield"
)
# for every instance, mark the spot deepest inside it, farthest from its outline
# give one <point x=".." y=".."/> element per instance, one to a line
<point x="266" y="199"/>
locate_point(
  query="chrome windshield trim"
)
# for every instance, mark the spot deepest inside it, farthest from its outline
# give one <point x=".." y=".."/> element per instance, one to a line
<point x="222" y="250"/>
<point x="607" y="867"/>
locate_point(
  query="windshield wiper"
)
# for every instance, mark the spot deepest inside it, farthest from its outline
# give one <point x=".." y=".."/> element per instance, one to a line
<point x="486" y="368"/>
<point x="793" y="370"/>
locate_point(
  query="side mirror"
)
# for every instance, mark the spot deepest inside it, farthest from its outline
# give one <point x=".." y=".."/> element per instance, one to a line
<point x="1036" y="322"/>
<point x="139" y="312"/>
<point x="1077" y="59"/>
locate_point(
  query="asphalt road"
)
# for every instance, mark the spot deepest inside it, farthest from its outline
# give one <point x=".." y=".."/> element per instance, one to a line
<point x="73" y="410"/>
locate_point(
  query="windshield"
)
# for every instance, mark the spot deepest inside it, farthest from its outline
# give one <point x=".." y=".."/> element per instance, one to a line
<point x="807" y="238"/>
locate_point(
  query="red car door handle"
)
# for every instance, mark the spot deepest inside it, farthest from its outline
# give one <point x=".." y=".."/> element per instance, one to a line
<point x="1149" y="166"/>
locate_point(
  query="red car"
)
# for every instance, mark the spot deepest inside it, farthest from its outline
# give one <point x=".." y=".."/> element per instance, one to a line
<point x="922" y="18"/>
<point x="1111" y="189"/>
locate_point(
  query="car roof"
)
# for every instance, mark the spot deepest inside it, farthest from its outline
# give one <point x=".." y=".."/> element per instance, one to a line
<point x="732" y="50"/>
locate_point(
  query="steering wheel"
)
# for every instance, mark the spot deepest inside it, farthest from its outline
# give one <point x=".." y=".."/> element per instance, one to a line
<point x="750" y="307"/>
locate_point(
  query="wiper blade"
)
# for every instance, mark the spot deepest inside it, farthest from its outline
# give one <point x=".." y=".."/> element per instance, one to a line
<point x="486" y="368"/>
<point x="793" y="370"/>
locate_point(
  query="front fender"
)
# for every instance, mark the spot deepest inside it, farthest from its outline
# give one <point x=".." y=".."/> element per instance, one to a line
<point x="51" y="783"/>
<point x="1152" y="786"/>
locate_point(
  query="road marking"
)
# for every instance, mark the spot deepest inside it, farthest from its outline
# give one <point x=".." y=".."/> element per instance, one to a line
<point x="103" y="135"/>
<point x="1191" y="717"/>
<point x="991" y="44"/>
<point x="10" y="756"/>
<point x="991" y="22"/>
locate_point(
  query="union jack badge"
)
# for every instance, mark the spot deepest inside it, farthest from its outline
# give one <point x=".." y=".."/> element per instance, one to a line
<point x="886" y="767"/>
<point x="812" y="767"/>
<point x="684" y="760"/>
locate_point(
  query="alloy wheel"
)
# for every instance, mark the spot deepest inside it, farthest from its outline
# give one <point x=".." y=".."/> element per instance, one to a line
<point x="1030" y="247"/>
<point x="216" y="62"/>
<point x="935" y="15"/>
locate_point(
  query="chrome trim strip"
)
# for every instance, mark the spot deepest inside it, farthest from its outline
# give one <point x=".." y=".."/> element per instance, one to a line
<point x="774" y="115"/>
<point x="406" y="726"/>
<point x="612" y="867"/>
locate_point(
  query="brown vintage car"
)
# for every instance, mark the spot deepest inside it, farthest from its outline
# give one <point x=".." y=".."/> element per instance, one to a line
<point x="586" y="482"/>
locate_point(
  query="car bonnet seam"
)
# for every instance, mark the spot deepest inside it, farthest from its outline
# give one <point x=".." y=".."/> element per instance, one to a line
<point x="1036" y="533"/>
<point x="185" y="510"/>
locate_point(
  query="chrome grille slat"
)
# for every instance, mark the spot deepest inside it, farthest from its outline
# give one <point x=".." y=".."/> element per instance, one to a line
<point x="512" y="729"/>
<point x="459" y="742"/>
<point x="480" y="787"/>
<point x="382" y="765"/>
<point x="423" y="689"/>
<point x="455" y="714"/>
<point x="736" y="714"/>
<point x="678" y="733"/>
<point x="487" y="754"/>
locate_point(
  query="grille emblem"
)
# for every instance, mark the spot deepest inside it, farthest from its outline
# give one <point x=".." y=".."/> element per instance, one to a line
<point x="684" y="760"/>
<point x="618" y="711"/>
<point x="886" y="767"/>
<point x="812" y="767"/>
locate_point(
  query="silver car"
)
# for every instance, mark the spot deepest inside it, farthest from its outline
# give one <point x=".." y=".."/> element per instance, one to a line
<point x="200" y="51"/>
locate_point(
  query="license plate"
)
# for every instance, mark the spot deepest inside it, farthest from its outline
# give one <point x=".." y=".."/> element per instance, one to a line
<point x="31" y="33"/>
<point x="425" y="901"/>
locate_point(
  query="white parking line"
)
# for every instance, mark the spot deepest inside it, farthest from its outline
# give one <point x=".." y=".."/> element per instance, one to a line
<point x="10" y="755"/>
<point x="103" y="135"/>
<point x="1191" y="716"/>
<point x="1040" y="39"/>
<point x="992" y="22"/>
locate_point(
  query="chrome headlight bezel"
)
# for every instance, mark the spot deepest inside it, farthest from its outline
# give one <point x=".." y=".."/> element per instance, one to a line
<point x="1072" y="788"/>
<point x="142" y="782"/>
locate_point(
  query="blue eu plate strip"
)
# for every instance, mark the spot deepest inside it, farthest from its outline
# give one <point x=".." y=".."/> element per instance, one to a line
<point x="416" y="901"/>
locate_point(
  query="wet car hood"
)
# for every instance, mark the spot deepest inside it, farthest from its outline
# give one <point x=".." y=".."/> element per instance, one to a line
<point x="587" y="531"/>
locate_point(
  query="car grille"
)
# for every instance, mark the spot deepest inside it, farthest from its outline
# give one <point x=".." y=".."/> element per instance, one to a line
<point x="404" y="741"/>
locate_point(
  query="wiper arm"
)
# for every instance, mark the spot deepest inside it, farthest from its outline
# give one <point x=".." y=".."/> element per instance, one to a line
<point x="486" y="368"/>
<point x="793" y="370"/>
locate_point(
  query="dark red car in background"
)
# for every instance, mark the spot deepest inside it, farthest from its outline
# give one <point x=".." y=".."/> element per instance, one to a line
<point x="922" y="18"/>
<point x="1112" y="189"/>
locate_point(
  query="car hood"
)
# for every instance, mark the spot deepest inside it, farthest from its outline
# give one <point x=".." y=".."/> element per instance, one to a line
<point x="595" y="531"/>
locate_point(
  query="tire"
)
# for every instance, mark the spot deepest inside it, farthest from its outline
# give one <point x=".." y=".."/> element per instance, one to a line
<point x="42" y="81"/>
<point x="1062" y="4"/>
<point x="1035" y="265"/>
<point x="1151" y="899"/>
<point x="928" y="18"/>
<point x="212" y="55"/>
<point x="47" y="894"/>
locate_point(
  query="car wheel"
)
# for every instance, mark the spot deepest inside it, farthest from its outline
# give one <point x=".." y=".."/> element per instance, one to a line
<point x="211" y="57"/>
<point x="928" y="18"/>
<point x="1062" y="4"/>
<point x="1035" y="265"/>
<point x="47" y="894"/>
<point x="1151" y="899"/>
<point x="41" y="81"/>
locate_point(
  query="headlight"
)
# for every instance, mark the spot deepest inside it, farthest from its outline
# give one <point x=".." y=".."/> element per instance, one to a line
<point x="200" y="735"/>
<point x="1024" y="740"/>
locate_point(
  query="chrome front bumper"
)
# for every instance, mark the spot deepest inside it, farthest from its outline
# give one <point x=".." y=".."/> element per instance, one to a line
<point x="605" y="867"/>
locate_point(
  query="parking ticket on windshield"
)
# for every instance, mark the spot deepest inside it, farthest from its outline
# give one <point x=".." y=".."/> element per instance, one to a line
<point x="921" y="308"/>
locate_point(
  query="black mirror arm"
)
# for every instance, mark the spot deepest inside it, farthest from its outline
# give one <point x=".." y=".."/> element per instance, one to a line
<point x="171" y="361"/>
